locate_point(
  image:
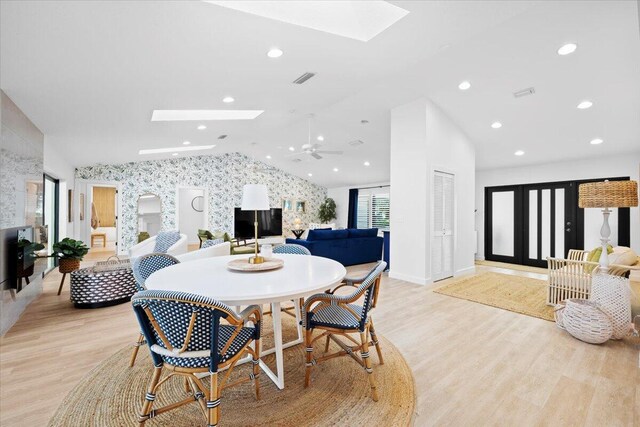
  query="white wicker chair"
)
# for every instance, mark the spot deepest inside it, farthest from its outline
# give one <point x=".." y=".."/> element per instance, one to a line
<point x="572" y="279"/>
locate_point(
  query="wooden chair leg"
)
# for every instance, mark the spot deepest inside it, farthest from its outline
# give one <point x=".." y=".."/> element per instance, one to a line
<point x="61" y="282"/>
<point x="136" y="347"/>
<point x="374" y="339"/>
<point x="256" y="367"/>
<point x="308" y="356"/>
<point x="213" y="404"/>
<point x="326" y="344"/>
<point x="146" y="412"/>
<point x="364" y="353"/>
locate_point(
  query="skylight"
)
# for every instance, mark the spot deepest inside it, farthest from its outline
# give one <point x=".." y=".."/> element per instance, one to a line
<point x="188" y="115"/>
<point x="359" y="20"/>
<point x="176" y="149"/>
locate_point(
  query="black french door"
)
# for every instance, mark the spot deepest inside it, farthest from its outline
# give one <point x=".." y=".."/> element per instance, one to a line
<point x="525" y="224"/>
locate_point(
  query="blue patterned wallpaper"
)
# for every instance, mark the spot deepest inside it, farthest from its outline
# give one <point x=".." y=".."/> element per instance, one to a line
<point x="222" y="175"/>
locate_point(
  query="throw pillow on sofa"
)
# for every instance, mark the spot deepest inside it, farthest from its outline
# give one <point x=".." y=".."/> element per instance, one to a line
<point x="363" y="232"/>
<point x="623" y="256"/>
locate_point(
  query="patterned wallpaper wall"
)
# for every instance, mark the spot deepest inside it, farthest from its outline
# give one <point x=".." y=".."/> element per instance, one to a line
<point x="223" y="176"/>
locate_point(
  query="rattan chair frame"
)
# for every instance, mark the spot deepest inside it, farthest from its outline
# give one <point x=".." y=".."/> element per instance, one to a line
<point x="366" y="330"/>
<point x="208" y="398"/>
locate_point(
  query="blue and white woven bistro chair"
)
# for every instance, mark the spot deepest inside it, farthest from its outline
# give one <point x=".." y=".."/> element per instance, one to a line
<point x="143" y="267"/>
<point x="290" y="248"/>
<point x="186" y="337"/>
<point x="338" y="315"/>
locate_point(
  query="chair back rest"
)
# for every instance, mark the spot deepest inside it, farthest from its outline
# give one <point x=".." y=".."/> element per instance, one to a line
<point x="211" y="242"/>
<point x="290" y="248"/>
<point x="146" y="265"/>
<point x="370" y="287"/>
<point x="179" y="322"/>
<point x="577" y="255"/>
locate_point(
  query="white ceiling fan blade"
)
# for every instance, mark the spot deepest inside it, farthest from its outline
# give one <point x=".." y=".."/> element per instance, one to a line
<point x="316" y="155"/>
<point x="329" y="152"/>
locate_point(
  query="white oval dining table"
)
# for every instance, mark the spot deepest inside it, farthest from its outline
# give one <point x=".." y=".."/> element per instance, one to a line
<point x="301" y="276"/>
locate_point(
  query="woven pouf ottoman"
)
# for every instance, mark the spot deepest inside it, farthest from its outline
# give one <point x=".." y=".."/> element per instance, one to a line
<point x="584" y="320"/>
<point x="95" y="287"/>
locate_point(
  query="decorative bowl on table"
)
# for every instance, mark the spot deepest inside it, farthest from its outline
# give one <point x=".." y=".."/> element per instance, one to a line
<point x="244" y="265"/>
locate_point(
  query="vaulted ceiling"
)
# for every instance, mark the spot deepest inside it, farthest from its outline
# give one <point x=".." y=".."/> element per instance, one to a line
<point x="90" y="73"/>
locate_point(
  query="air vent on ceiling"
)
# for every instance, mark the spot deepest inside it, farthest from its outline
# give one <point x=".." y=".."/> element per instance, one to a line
<point x="303" y="78"/>
<point x="222" y="136"/>
<point x="296" y="160"/>
<point x="524" y="92"/>
<point x="356" y="142"/>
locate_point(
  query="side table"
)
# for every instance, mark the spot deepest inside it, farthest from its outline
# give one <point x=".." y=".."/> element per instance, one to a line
<point x="297" y="233"/>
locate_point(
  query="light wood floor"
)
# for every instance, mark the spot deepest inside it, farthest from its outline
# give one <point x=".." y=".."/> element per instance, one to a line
<point x="472" y="364"/>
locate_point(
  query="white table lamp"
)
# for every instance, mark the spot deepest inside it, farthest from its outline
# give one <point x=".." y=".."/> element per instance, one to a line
<point x="255" y="198"/>
<point x="607" y="194"/>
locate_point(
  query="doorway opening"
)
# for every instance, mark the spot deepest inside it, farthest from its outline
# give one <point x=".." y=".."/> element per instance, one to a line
<point x="103" y="220"/>
<point x="51" y="217"/>
<point x="192" y="213"/>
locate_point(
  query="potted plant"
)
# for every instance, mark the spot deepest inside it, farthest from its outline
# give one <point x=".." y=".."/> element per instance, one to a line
<point x="327" y="210"/>
<point x="69" y="252"/>
<point x="26" y="254"/>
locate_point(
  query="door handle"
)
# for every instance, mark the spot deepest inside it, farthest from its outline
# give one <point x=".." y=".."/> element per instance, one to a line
<point x="567" y="230"/>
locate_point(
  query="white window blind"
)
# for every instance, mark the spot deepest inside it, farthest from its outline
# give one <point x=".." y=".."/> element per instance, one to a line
<point x="364" y="201"/>
<point x="373" y="210"/>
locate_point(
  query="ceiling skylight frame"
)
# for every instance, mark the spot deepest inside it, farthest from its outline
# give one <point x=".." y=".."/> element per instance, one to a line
<point x="203" y="115"/>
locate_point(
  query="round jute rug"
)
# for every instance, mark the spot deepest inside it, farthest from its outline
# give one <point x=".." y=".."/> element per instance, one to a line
<point x="339" y="394"/>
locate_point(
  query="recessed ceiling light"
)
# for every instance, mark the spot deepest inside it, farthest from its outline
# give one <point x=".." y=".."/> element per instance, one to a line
<point x="228" y="99"/>
<point x="174" y="154"/>
<point x="310" y="174"/>
<point x="584" y="105"/>
<point x="186" y="143"/>
<point x="176" y="149"/>
<point x="320" y="138"/>
<point x="360" y="20"/>
<point x="202" y="115"/>
<point x="201" y="127"/>
<point x="335" y="169"/>
<point x="597" y="141"/>
<point x="275" y="53"/>
<point x="292" y="149"/>
<point x="496" y="125"/>
<point x="567" y="49"/>
<point x="519" y="153"/>
<point x="367" y="164"/>
<point x="268" y="156"/>
<point x="464" y="85"/>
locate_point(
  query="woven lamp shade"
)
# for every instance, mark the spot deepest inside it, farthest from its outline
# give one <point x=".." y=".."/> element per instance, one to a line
<point x="608" y="194"/>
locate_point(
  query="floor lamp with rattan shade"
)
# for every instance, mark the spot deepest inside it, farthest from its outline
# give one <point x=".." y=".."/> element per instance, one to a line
<point x="255" y="198"/>
<point x="607" y="194"/>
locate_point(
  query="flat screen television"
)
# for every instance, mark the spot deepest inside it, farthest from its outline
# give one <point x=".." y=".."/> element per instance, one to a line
<point x="269" y="223"/>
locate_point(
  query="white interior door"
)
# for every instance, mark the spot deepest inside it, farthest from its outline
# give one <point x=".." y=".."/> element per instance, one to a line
<point x="443" y="229"/>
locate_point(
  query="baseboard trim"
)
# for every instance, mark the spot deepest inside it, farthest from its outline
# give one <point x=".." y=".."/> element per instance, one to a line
<point x="410" y="279"/>
<point x="465" y="270"/>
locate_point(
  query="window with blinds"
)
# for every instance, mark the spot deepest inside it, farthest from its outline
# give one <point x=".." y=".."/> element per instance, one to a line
<point x="373" y="211"/>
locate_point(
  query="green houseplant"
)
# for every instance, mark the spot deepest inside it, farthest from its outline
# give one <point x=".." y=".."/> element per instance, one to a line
<point x="327" y="210"/>
<point x="69" y="252"/>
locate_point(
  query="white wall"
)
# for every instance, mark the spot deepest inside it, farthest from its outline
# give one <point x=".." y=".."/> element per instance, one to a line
<point x="57" y="166"/>
<point x="189" y="220"/>
<point x="602" y="167"/>
<point x="340" y="195"/>
<point x="424" y="139"/>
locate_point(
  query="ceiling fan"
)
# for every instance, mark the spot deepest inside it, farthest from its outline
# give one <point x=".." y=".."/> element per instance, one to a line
<point x="313" y="149"/>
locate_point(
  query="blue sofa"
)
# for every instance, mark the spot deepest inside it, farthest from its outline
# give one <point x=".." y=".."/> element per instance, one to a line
<point x="348" y="247"/>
